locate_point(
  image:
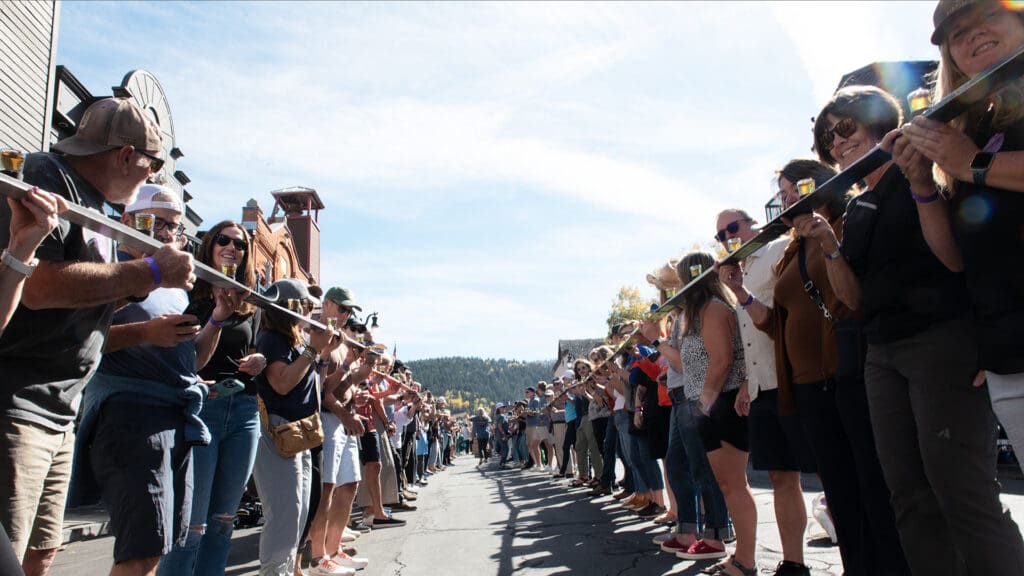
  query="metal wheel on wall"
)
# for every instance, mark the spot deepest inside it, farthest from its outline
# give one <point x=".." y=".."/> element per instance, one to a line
<point x="145" y="89"/>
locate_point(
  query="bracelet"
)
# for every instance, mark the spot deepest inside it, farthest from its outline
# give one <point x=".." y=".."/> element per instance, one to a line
<point x="155" y="268"/>
<point x="215" y="322"/>
<point x="834" y="255"/>
<point x="925" y="199"/>
<point x="748" y="301"/>
<point x="308" y="353"/>
<point x="18" y="266"/>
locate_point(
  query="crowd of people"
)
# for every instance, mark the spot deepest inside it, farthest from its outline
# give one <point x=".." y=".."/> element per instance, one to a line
<point x="878" y="346"/>
<point x="134" y="384"/>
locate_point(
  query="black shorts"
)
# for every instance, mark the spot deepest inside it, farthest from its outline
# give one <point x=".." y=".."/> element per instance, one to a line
<point x="369" y="451"/>
<point x="724" y="425"/>
<point x="142" y="463"/>
<point x="777" y="442"/>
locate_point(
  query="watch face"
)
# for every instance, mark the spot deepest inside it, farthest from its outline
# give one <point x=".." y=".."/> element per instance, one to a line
<point x="981" y="161"/>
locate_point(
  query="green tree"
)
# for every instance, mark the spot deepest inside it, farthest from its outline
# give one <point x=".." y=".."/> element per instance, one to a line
<point x="628" y="305"/>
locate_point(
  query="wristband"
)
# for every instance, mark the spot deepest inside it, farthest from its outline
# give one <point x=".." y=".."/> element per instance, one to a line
<point x="656" y="342"/>
<point x="837" y="253"/>
<point x="748" y="301"/>
<point x="155" y="268"/>
<point x="925" y="199"/>
<point x="215" y="322"/>
<point x="18" y="266"/>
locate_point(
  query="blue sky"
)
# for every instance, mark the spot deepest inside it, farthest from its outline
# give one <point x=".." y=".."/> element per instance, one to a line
<point x="493" y="172"/>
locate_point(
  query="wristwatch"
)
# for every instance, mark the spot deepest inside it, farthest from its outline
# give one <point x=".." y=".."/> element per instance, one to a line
<point x="18" y="266"/>
<point x="655" y="343"/>
<point x="980" y="165"/>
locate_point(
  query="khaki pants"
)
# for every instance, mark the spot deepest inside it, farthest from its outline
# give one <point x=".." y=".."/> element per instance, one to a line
<point x="588" y="453"/>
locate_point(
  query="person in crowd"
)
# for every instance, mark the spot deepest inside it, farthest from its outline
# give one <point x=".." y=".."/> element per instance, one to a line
<point x="976" y="157"/>
<point x="481" y="423"/>
<point x="598" y="415"/>
<point x="821" y="385"/>
<point x="32" y="219"/>
<point x="935" y="428"/>
<point x="53" y="341"/>
<point x="643" y="376"/>
<point x="711" y="354"/>
<point x="609" y="381"/>
<point x="371" y="456"/>
<point x="288" y="391"/>
<point x="777" y="443"/>
<point x="533" y="436"/>
<point x="341" y="373"/>
<point x="221" y="469"/>
<point x="703" y="522"/>
<point x="559" y="427"/>
<point x="501" y="429"/>
<point x="140" y="417"/>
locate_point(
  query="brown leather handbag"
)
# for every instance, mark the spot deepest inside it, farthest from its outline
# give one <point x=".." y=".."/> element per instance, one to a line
<point x="292" y="438"/>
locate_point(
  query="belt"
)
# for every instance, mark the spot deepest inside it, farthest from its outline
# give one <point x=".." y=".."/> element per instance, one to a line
<point x="677" y="395"/>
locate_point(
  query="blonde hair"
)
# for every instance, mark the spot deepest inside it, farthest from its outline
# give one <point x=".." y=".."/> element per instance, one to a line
<point x="1007" y="103"/>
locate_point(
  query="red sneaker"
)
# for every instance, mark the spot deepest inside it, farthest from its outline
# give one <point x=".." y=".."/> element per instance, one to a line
<point x="672" y="546"/>
<point x="701" y="550"/>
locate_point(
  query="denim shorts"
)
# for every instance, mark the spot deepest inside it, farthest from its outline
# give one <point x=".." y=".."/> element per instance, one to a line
<point x="144" y="466"/>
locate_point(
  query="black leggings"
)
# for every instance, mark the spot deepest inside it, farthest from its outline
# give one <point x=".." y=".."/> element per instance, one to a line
<point x="567" y="444"/>
<point x="482" y="443"/>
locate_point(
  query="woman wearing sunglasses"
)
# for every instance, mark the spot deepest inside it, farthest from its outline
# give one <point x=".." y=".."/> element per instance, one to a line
<point x="221" y="469"/>
<point x="979" y="158"/>
<point x="935" y="429"/>
<point x="815" y="382"/>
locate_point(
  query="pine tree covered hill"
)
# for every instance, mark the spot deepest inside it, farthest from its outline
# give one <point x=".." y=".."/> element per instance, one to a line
<point x="471" y="382"/>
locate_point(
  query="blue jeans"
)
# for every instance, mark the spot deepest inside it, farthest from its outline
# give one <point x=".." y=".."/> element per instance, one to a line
<point x="608" y="451"/>
<point x="628" y="456"/>
<point x="690" y="476"/>
<point x="221" y="471"/>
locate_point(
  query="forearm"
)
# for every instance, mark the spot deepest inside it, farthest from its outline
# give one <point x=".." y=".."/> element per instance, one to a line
<point x="1006" y="171"/>
<point x="123" y="336"/>
<point x="716" y="377"/>
<point x="285" y="377"/>
<point x="938" y="233"/>
<point x="85" y="284"/>
<point x="675" y="360"/>
<point x="844" y="282"/>
<point x="11" y="283"/>
<point x="206" y="343"/>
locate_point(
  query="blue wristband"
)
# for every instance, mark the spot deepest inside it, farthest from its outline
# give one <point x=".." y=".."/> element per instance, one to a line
<point x="155" y="268"/>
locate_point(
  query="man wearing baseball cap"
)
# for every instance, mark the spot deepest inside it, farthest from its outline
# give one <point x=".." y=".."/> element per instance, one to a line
<point x="52" y="346"/>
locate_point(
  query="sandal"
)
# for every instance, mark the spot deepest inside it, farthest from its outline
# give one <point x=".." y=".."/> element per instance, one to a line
<point x="732" y="561"/>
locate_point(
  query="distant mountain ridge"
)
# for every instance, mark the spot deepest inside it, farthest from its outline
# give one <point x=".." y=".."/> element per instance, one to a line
<point x="471" y="382"/>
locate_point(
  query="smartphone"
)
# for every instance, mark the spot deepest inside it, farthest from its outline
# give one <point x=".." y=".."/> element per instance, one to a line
<point x="227" y="387"/>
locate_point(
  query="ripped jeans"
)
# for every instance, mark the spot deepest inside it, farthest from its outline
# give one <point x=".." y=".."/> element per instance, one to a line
<point x="221" y="471"/>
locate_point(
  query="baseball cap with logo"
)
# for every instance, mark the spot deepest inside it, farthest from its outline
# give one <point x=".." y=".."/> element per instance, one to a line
<point x="112" y="123"/>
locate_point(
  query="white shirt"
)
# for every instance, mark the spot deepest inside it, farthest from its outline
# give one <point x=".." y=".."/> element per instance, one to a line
<point x="759" y="278"/>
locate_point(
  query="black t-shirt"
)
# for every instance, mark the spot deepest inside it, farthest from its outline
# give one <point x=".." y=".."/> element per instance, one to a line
<point x="905" y="288"/>
<point x="236" y="339"/>
<point x="47" y="356"/>
<point x="988" y="225"/>
<point x="301" y="401"/>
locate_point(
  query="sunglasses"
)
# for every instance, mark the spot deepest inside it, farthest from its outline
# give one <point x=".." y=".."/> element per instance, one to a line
<point x="732" y="228"/>
<point x="155" y="163"/>
<point x="222" y="240"/>
<point x="844" y="128"/>
<point x="160" y="224"/>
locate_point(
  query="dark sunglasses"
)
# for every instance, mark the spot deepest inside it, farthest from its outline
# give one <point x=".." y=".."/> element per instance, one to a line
<point x="732" y="228"/>
<point x="222" y="240"/>
<point x="844" y="128"/>
<point x="155" y="163"/>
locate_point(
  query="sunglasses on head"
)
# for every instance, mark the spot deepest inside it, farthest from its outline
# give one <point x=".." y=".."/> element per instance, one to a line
<point x="222" y="240"/>
<point x="732" y="228"/>
<point x="844" y="128"/>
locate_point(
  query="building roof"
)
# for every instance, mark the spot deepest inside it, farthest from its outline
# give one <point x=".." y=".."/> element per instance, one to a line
<point x="293" y="198"/>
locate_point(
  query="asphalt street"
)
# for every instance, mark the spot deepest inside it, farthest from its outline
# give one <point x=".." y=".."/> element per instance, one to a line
<point x="484" y="521"/>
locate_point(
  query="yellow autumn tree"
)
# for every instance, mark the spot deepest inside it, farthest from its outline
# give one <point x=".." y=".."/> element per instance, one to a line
<point x="628" y="305"/>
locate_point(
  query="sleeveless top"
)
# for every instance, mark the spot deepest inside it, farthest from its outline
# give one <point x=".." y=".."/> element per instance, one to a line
<point x="695" y="361"/>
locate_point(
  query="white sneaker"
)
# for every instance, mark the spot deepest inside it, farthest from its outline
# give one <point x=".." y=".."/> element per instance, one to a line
<point x="819" y="509"/>
<point x="355" y="563"/>
<point x="329" y="567"/>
